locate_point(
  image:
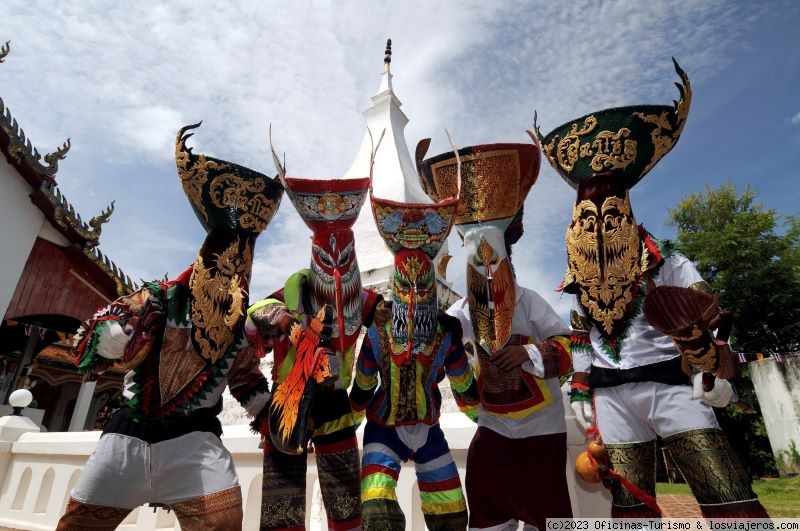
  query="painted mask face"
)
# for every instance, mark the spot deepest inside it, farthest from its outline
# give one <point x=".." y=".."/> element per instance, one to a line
<point x="335" y="279"/>
<point x="603" y="250"/>
<point x="218" y="287"/>
<point x="330" y="207"/>
<point x="491" y="289"/>
<point x="413" y="300"/>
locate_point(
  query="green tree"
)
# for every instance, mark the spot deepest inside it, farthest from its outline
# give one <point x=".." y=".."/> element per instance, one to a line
<point x="756" y="272"/>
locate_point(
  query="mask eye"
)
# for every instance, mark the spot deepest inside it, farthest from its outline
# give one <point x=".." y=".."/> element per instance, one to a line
<point x="346" y="254"/>
<point x="588" y="222"/>
<point x="324" y="257"/>
<point x="401" y="283"/>
<point x="426" y="281"/>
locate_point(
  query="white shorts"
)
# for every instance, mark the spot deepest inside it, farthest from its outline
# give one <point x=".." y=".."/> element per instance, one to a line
<point x="127" y="472"/>
<point x="638" y="412"/>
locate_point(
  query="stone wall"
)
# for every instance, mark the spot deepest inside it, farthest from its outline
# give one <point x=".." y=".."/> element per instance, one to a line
<point x="777" y="385"/>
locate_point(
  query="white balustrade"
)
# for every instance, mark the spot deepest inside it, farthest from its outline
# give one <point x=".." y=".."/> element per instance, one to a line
<point x="38" y="471"/>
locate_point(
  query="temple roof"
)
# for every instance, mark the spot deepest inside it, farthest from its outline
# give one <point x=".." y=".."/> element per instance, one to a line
<point x="28" y="162"/>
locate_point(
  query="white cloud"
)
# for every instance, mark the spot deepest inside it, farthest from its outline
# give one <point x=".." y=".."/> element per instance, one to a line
<point x="149" y="129"/>
<point x="796" y="119"/>
<point x="121" y="79"/>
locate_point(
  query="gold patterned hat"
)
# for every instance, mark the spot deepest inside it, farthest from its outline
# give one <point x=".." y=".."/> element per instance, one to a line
<point x="414" y="225"/>
<point x="224" y="194"/>
<point x="627" y="141"/>
<point x="495" y="179"/>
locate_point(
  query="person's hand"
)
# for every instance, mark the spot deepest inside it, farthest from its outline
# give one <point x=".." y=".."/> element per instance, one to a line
<point x="584" y="414"/>
<point x="112" y="341"/>
<point x="509" y="357"/>
<point x="382" y="316"/>
<point x="719" y="396"/>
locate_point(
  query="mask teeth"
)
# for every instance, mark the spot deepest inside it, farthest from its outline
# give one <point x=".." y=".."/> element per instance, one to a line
<point x="424" y="323"/>
<point x="400" y="321"/>
<point x="352" y="315"/>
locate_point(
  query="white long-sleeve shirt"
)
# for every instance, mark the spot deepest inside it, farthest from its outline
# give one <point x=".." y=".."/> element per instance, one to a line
<point x="535" y="318"/>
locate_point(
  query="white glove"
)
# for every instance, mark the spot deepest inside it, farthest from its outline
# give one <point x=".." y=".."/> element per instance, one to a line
<point x="720" y="396"/>
<point x="584" y="414"/>
<point x="112" y="341"/>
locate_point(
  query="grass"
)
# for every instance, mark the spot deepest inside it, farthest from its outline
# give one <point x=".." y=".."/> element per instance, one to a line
<point x="781" y="496"/>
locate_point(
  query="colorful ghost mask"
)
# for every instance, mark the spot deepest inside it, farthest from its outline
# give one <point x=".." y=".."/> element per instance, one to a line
<point x="330" y="207"/>
<point x="496" y="179"/>
<point x="603" y="155"/>
<point x="414" y="233"/>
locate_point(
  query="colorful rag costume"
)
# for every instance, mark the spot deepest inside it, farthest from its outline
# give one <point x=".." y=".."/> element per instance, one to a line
<point x="517" y="460"/>
<point x="317" y="408"/>
<point x="412" y="353"/>
<point x="637" y="376"/>
<point x="183" y="341"/>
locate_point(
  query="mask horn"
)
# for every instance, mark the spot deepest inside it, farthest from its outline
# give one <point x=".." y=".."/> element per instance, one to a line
<point x="458" y="162"/>
<point x="373" y="151"/>
<point x="281" y="167"/>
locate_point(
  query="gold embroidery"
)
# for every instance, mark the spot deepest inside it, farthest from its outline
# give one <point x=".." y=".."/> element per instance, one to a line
<point x="609" y="150"/>
<point x="218" y="510"/>
<point x="193" y="176"/>
<point x="603" y="251"/>
<point x="229" y="190"/>
<point x="89" y="517"/>
<point x="635" y="462"/>
<point x="219" y="299"/>
<point x="568" y="148"/>
<point x="487" y="189"/>
<point x="492" y="328"/>
<point x="668" y="130"/>
<point x="710" y="466"/>
<point x="331" y="205"/>
<point x="701" y="286"/>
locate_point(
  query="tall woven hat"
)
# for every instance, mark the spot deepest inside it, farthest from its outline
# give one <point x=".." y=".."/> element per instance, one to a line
<point x="626" y="141"/>
<point x="224" y="194"/>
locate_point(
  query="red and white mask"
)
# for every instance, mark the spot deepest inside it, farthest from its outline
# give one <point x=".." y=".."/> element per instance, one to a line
<point x="330" y="207"/>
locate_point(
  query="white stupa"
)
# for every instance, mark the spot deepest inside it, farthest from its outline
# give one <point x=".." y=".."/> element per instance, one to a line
<point x="394" y="177"/>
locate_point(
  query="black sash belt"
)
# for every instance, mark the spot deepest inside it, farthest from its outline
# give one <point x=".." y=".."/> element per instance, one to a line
<point x="667" y="372"/>
<point x="153" y="430"/>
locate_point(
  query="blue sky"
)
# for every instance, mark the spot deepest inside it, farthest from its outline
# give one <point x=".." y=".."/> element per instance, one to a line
<point x="120" y="79"/>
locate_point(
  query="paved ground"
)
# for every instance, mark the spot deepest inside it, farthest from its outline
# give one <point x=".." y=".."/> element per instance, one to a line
<point x="679" y="505"/>
<point x="673" y="505"/>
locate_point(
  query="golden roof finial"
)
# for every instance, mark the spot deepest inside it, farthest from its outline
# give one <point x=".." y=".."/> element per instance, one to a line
<point x="387" y="55"/>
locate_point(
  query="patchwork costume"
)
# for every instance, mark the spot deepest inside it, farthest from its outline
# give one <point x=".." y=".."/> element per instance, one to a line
<point x="323" y="413"/>
<point x="639" y="380"/>
<point x="517" y="460"/>
<point x="183" y="341"/>
<point x="410" y="355"/>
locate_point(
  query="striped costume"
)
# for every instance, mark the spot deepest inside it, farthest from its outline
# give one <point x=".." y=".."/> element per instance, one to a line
<point x="402" y="425"/>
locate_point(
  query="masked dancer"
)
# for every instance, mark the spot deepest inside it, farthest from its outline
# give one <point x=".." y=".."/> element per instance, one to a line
<point x="182" y="340"/>
<point x="516" y="462"/>
<point x="410" y="355"/>
<point x="311" y="401"/>
<point x="638" y="371"/>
